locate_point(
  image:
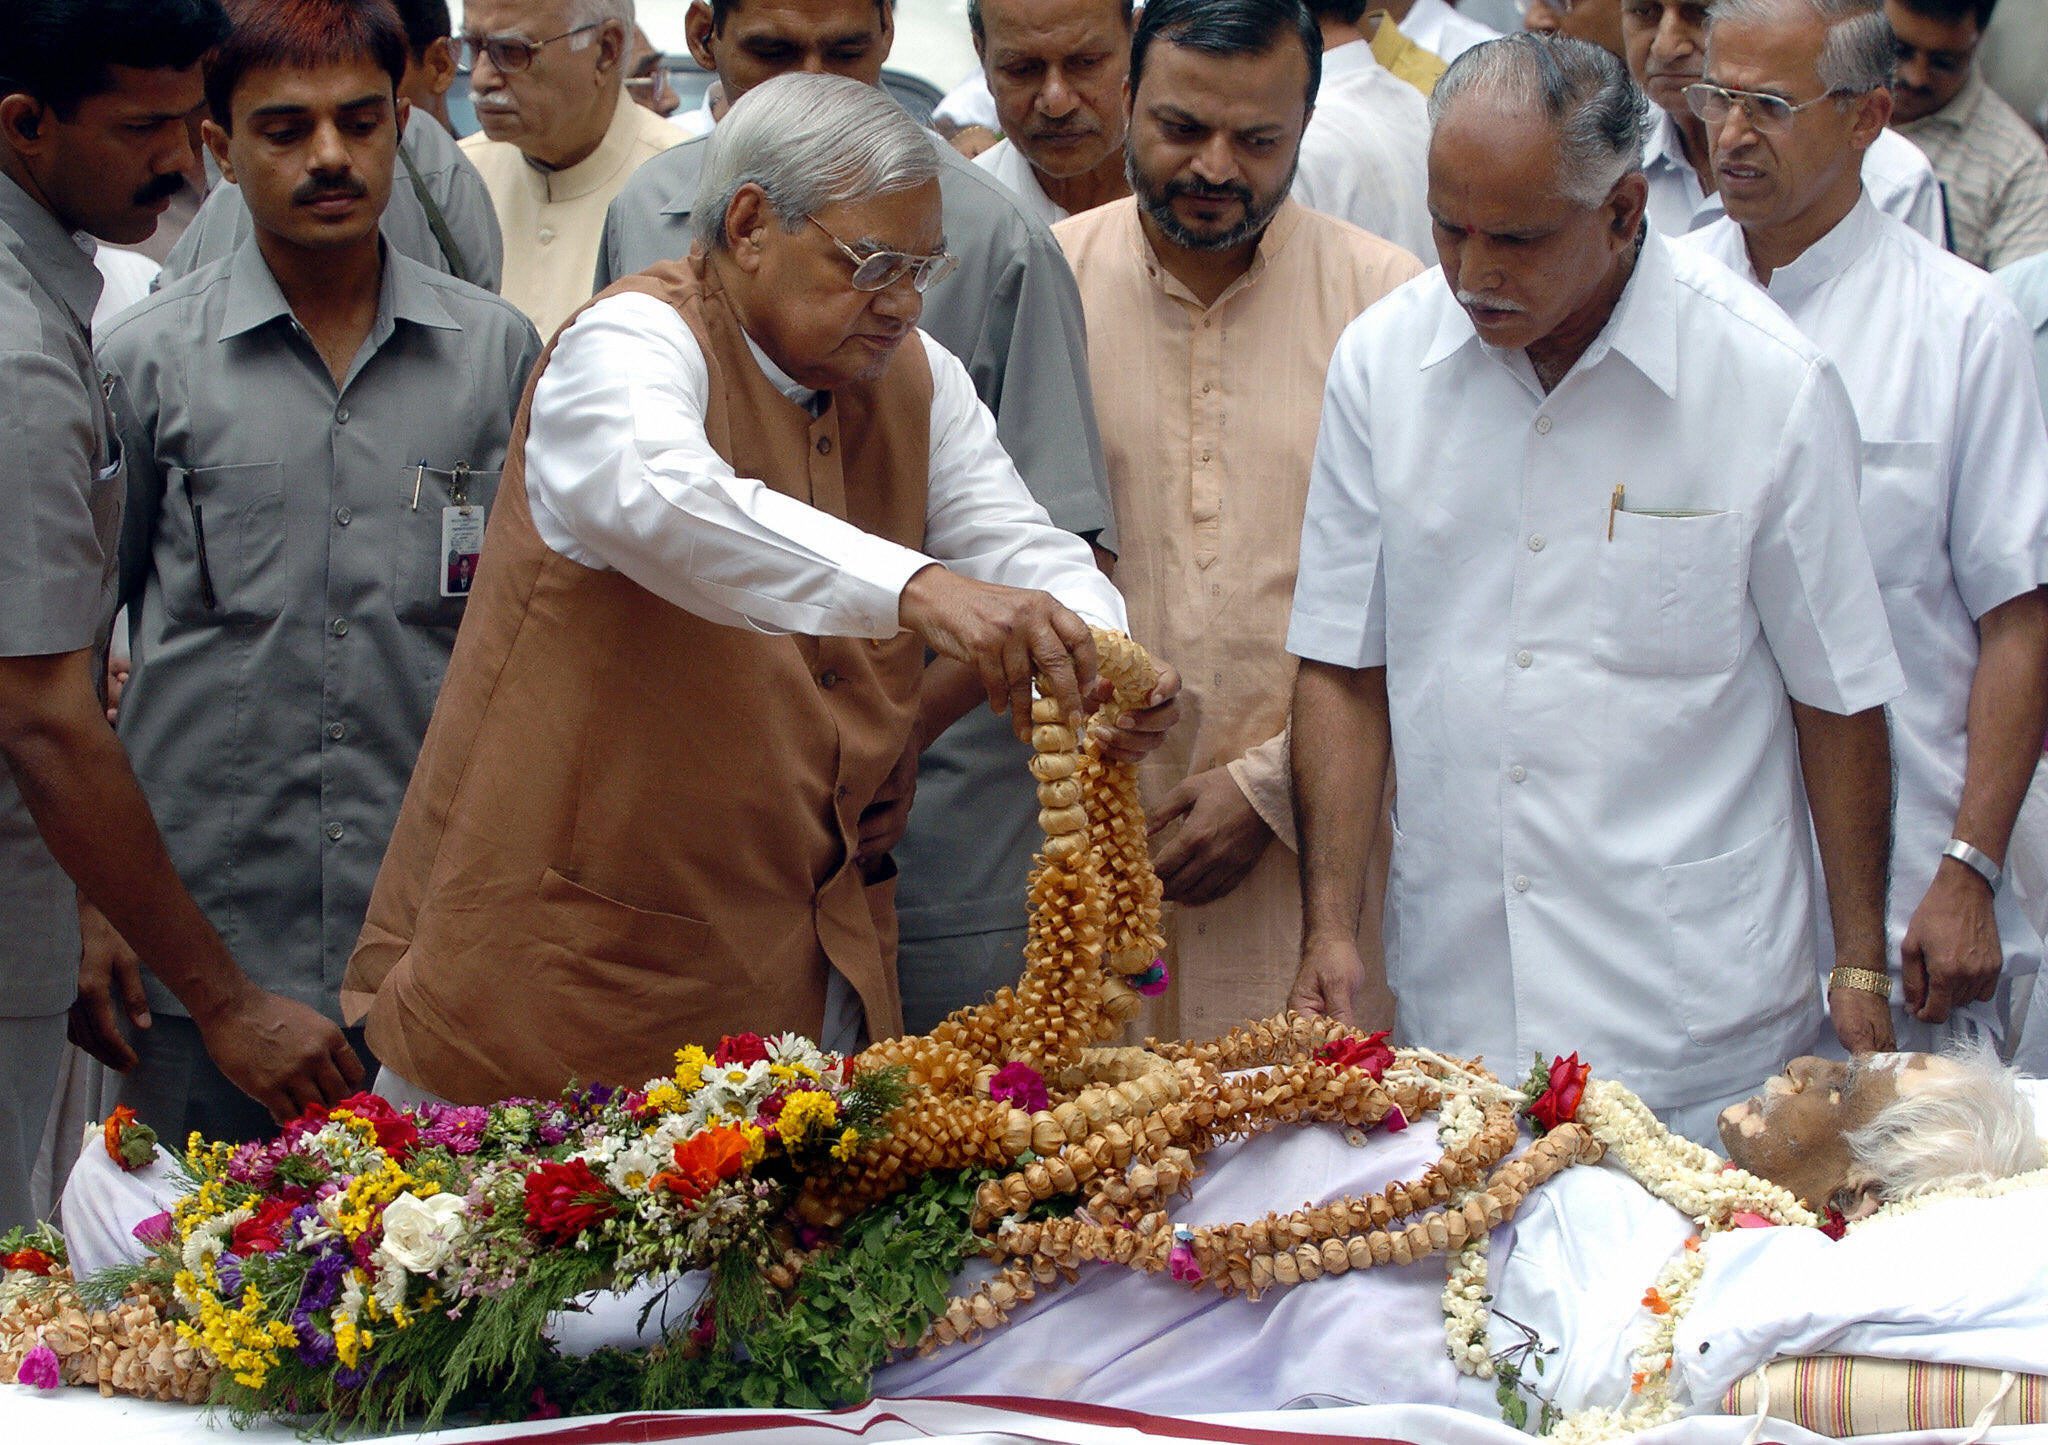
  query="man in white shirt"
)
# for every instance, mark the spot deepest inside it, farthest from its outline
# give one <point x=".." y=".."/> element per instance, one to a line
<point x="1437" y="28"/>
<point x="1364" y="155"/>
<point x="1056" y="69"/>
<point x="1666" y="43"/>
<point x="753" y="464"/>
<point x="1582" y="547"/>
<point x="1955" y="479"/>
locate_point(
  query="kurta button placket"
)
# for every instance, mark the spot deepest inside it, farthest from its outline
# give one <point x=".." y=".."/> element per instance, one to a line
<point x="336" y="731"/>
<point x="339" y="627"/>
<point x="334" y="831"/>
<point x="824" y="446"/>
<point x="343" y="516"/>
<point x="1521" y="883"/>
<point x="1535" y="541"/>
<point x="828" y="679"/>
<point x="1518" y="774"/>
<point x="341" y="416"/>
<point x="1524" y="658"/>
<point x="1543" y="426"/>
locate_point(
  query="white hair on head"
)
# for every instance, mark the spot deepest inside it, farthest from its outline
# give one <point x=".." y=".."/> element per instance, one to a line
<point x="1858" y="54"/>
<point x="809" y="141"/>
<point x="1582" y="90"/>
<point x="1970" y="1127"/>
<point x="596" y="12"/>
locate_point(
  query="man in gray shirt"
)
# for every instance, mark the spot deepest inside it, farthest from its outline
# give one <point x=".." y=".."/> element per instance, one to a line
<point x="93" y="95"/>
<point x="314" y="427"/>
<point x="1013" y="317"/>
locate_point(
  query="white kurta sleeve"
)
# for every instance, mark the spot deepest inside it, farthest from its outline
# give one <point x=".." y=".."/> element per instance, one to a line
<point x="620" y="475"/>
<point x="1340" y="602"/>
<point x="1810" y="575"/>
<point x="982" y="522"/>
<point x="1998" y="516"/>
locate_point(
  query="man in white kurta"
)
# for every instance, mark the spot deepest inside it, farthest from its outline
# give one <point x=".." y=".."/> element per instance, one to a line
<point x="1363" y="156"/>
<point x="1593" y="601"/>
<point x="1666" y="40"/>
<point x="1954" y="504"/>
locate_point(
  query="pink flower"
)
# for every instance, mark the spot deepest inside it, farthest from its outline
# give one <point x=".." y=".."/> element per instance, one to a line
<point x="1747" y="1219"/>
<point x="1564" y="1090"/>
<point x="40" y="1368"/>
<point x="1395" y="1121"/>
<point x="154" y="1230"/>
<point x="1181" y="1263"/>
<point x="1154" y="980"/>
<point x="1370" y="1054"/>
<point x="1021" y="1086"/>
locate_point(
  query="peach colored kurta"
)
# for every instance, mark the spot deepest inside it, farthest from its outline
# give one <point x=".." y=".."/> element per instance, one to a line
<point x="1208" y="420"/>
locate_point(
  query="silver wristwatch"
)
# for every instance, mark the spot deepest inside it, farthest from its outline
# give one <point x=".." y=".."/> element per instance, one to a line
<point x="1974" y="859"/>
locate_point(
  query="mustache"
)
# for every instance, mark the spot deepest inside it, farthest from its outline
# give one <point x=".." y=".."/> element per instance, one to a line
<point x="316" y="190"/>
<point x="160" y="188"/>
<point x="1064" y="132"/>
<point x="1487" y="301"/>
<point x="1203" y="191"/>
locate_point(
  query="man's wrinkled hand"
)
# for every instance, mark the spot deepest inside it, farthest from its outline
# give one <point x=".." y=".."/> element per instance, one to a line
<point x="109" y="985"/>
<point x="1134" y="735"/>
<point x="1213" y="838"/>
<point x="1008" y="635"/>
<point x="1863" y="1021"/>
<point x="1951" y="955"/>
<point x="281" y="1054"/>
<point x="1332" y="982"/>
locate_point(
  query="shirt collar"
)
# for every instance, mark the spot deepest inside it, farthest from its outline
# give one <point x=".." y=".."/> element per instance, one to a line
<point x="254" y="298"/>
<point x="1286" y="221"/>
<point x="1353" y="57"/>
<point x="60" y="260"/>
<point x="1826" y="258"/>
<point x="1643" y="328"/>
<point x="781" y="380"/>
<point x="594" y="170"/>
<point x="1661" y="147"/>
<point x="1959" y="114"/>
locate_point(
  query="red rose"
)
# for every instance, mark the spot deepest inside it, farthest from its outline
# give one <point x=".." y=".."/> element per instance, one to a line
<point x="262" y="1232"/>
<point x="1559" y="1102"/>
<point x="740" y="1049"/>
<point x="563" y="1200"/>
<point x="1350" y="1052"/>
<point x="397" y="1135"/>
<point x="32" y="1260"/>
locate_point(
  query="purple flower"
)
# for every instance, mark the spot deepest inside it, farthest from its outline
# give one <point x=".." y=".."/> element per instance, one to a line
<point x="355" y="1379"/>
<point x="322" y="1285"/>
<point x="315" y="1348"/>
<point x="154" y="1230"/>
<point x="1153" y="981"/>
<point x="40" y="1368"/>
<point x="1021" y="1086"/>
<point x="230" y="1269"/>
<point x="254" y="1164"/>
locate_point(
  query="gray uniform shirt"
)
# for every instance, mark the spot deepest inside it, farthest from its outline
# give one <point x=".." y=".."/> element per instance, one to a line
<point x="60" y="517"/>
<point x="448" y="183"/>
<point x="1012" y="314"/>
<point x="285" y="611"/>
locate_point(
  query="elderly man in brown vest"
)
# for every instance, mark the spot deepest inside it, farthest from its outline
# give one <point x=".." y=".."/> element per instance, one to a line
<point x="744" y="496"/>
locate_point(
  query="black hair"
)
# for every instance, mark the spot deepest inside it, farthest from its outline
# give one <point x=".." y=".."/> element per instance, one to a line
<point x="60" y="51"/>
<point x="722" y="8"/>
<point x="1228" y="27"/>
<point x="974" y="16"/>
<point x="425" y="22"/>
<point x="300" y="34"/>
<point x="1954" y="10"/>
<point x="1345" y="11"/>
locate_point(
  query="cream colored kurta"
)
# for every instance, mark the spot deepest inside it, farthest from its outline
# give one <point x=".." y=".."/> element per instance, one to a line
<point x="1208" y="420"/>
<point x="553" y="220"/>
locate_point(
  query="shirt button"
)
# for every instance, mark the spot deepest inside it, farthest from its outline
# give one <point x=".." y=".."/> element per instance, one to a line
<point x="828" y="678"/>
<point x="1521" y="884"/>
<point x="341" y="415"/>
<point x="1207" y="387"/>
<point x="339" y="627"/>
<point x="1543" y="426"/>
<point x="843" y="793"/>
<point x="1524" y="658"/>
<point x="343" y="516"/>
<point x="1205" y="456"/>
<point x="546" y="235"/>
<point x="1518" y="772"/>
<point x="824" y="446"/>
<point x="334" y="831"/>
<point x="336" y="731"/>
<point x="1535" y="541"/>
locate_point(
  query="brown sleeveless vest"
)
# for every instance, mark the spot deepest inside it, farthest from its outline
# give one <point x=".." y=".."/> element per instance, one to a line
<point x="630" y="828"/>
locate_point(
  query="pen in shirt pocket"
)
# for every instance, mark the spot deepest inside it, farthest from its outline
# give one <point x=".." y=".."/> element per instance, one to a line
<point x="1613" y="506"/>
<point x="206" y="592"/>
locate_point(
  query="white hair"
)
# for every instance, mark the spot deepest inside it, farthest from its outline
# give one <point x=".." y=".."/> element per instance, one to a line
<point x="596" y="12"/>
<point x="1856" y="57"/>
<point x="1968" y="1127"/>
<point x="809" y="141"/>
<point x="1583" y="91"/>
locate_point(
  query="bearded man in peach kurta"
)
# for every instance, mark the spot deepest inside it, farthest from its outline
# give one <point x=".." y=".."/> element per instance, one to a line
<point x="1213" y="306"/>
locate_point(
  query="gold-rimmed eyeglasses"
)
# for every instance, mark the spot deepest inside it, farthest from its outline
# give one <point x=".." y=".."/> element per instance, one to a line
<point x="879" y="270"/>
<point x="1770" y="114"/>
<point x="511" y="54"/>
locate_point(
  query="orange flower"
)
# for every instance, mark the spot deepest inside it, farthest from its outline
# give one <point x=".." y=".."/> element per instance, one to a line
<point x="1655" y="1303"/>
<point x="702" y="1161"/>
<point x="129" y="1144"/>
<point x="1692" y="1244"/>
<point x="1636" y="1383"/>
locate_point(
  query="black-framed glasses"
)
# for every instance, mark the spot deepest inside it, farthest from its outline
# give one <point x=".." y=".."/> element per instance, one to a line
<point x="879" y="270"/>
<point x="1770" y="114"/>
<point x="512" y="53"/>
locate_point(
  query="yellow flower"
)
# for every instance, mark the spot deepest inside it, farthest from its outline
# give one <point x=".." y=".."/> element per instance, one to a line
<point x="666" y="1097"/>
<point x="362" y="1204"/>
<point x="848" y="1145"/>
<point x="757" y="1144"/>
<point x="805" y="1116"/>
<point x="691" y="1062"/>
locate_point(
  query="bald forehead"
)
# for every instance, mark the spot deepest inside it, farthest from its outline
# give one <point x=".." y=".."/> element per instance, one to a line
<point x="1775" y="50"/>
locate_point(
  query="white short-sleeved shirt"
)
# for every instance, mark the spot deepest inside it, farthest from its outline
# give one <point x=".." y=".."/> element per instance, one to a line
<point x="1601" y="840"/>
<point x="1365" y="154"/>
<point x="1442" y="31"/>
<point x="1954" y="492"/>
<point x="1896" y="175"/>
<point x="620" y="475"/>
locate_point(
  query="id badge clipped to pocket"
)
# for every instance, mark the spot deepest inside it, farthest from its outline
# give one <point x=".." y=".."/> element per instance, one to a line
<point x="462" y="537"/>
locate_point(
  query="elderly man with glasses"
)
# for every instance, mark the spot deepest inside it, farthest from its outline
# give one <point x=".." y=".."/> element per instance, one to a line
<point x="561" y="137"/>
<point x="745" y="495"/>
<point x="1954" y="494"/>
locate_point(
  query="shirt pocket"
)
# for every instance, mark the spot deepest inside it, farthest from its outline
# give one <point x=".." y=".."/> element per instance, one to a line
<point x="1898" y="504"/>
<point x="420" y="564"/>
<point x="224" y="531"/>
<point x="1740" y="936"/>
<point x="1671" y="593"/>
